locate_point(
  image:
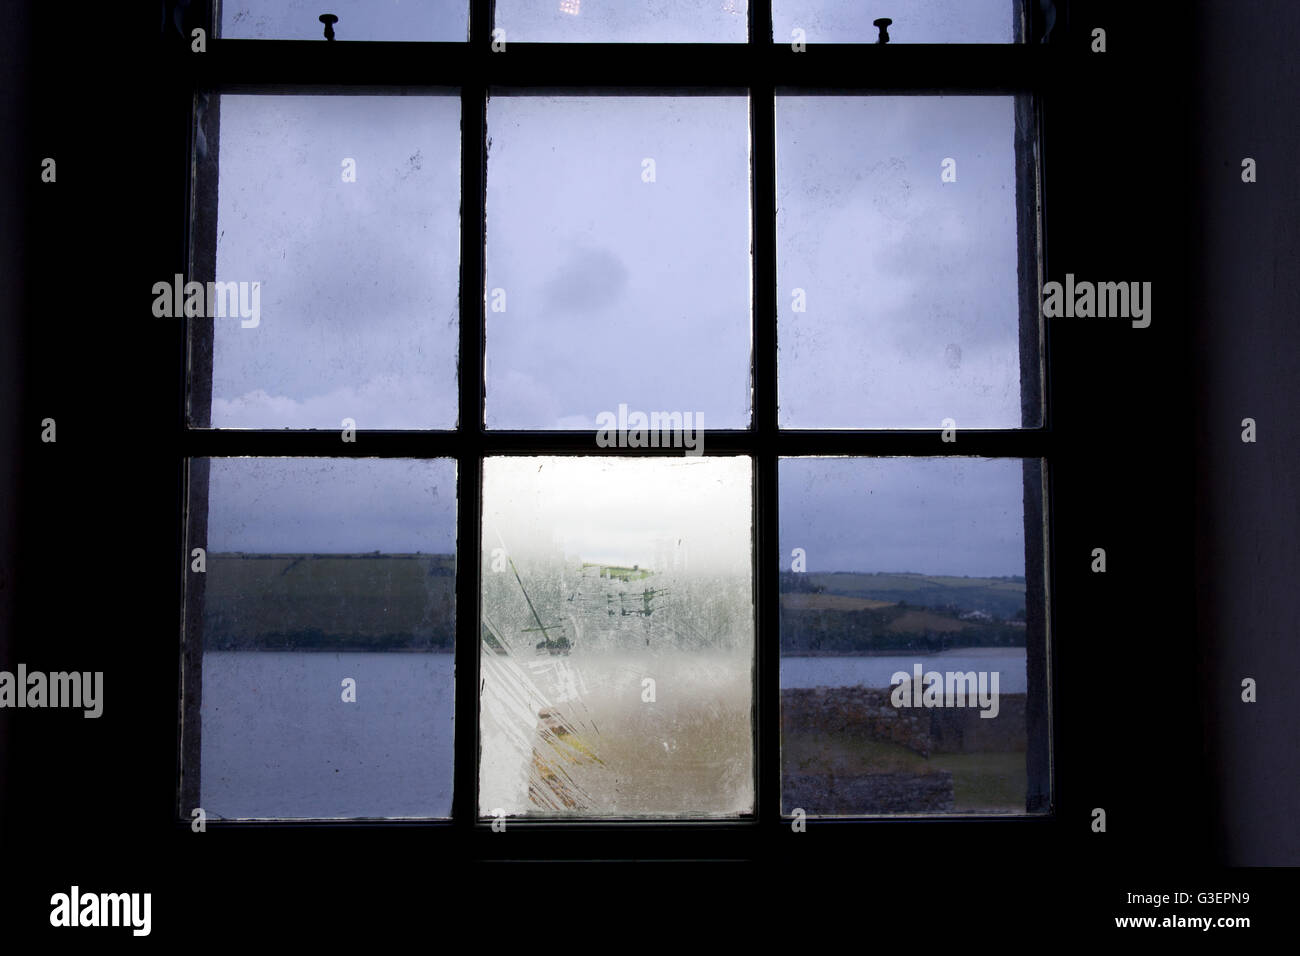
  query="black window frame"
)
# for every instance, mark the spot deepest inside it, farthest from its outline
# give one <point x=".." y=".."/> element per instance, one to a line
<point x="761" y="67"/>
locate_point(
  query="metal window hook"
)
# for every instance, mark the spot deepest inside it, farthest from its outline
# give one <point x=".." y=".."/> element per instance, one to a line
<point x="883" y="26"/>
<point x="329" y="20"/>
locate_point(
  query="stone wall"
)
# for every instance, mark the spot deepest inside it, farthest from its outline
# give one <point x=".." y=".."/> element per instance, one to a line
<point x="860" y="710"/>
<point x="869" y="711"/>
<point x="863" y="794"/>
<point x="842" y="784"/>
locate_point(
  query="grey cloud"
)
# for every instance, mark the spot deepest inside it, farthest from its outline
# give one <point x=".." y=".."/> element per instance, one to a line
<point x="590" y="279"/>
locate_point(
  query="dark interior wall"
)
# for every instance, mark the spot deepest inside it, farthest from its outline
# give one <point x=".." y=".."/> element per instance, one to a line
<point x="14" y="67"/>
<point x="1247" y="364"/>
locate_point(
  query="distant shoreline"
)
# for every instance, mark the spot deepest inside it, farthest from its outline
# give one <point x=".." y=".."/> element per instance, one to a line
<point x="906" y="652"/>
<point x="330" y="650"/>
<point x="902" y="652"/>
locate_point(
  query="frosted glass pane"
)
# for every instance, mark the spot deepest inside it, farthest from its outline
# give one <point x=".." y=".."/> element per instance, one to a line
<point x="898" y="291"/>
<point x="618" y="638"/>
<point x="915" y="21"/>
<point x="346" y="210"/>
<point x="906" y="568"/>
<point x="403" y="20"/>
<point x="625" y="21"/>
<point x="321" y="572"/>
<point x="618" y="259"/>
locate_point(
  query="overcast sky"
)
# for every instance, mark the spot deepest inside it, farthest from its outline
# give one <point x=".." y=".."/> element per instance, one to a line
<point x="613" y="21"/>
<point x="409" y="20"/>
<point x="332" y="505"/>
<point x="933" y="516"/>
<point x="958" y="516"/>
<point x="621" y="511"/>
<point x="911" y="311"/>
<point x="619" y="290"/>
<point x="615" y="289"/>
<point x="359" y="279"/>
<point x="915" y="21"/>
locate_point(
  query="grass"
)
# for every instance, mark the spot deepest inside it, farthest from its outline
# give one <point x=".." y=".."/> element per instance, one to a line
<point x="995" y="782"/>
<point x="800" y="601"/>
<point x="982" y="782"/>
<point x="999" y="596"/>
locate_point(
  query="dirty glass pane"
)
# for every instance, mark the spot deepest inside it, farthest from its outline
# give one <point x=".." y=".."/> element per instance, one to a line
<point x="914" y="21"/>
<point x="627" y="21"/>
<point x="320" y="572"/>
<point x="898" y="291"/>
<point x="892" y="568"/>
<point x="345" y="210"/>
<point x="618" y="259"/>
<point x="618" y="638"/>
<point x="403" y="20"/>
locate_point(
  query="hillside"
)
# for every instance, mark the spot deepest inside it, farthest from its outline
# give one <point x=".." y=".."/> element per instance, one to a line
<point x="999" y="597"/>
<point x="858" y="613"/>
<point x="329" y="602"/>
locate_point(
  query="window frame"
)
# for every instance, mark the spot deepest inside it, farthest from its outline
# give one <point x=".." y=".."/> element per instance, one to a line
<point x="760" y="67"/>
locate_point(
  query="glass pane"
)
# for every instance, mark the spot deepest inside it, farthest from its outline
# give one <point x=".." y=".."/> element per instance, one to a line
<point x="898" y="290"/>
<point x="893" y="568"/>
<point x="410" y="20"/>
<point x="345" y="209"/>
<point x="321" y="572"/>
<point x="916" y="21"/>
<point x="628" y="21"/>
<point x="618" y="638"/>
<point x="618" y="262"/>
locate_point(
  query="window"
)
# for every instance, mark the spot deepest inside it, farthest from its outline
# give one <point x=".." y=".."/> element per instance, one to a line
<point x="468" y="262"/>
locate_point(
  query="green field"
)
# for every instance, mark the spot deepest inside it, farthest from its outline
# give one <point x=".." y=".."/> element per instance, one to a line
<point x="1001" y="597"/>
<point x="857" y="613"/>
<point x="982" y="782"/>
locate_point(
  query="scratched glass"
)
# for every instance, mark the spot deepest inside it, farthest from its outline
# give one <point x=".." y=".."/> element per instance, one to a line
<point x="617" y="638"/>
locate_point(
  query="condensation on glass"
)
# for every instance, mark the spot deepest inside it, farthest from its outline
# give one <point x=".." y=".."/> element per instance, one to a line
<point x="626" y="21"/>
<point x="617" y="638"/>
<point x="328" y="626"/>
<point x="344" y="211"/>
<point x="914" y="21"/>
<point x="904" y="636"/>
<point x="404" y="20"/>
<point x="898" y="262"/>
<point x="618" y="259"/>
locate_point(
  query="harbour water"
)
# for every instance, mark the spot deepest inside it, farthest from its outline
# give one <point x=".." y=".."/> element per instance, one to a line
<point x="575" y="733"/>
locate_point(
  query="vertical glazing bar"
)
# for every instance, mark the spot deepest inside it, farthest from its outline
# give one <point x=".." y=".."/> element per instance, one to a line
<point x="1035" y="413"/>
<point x="196" y="403"/>
<point x="768" y="688"/>
<point x="1037" y="660"/>
<point x="473" y="180"/>
<point x="1028" y="257"/>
